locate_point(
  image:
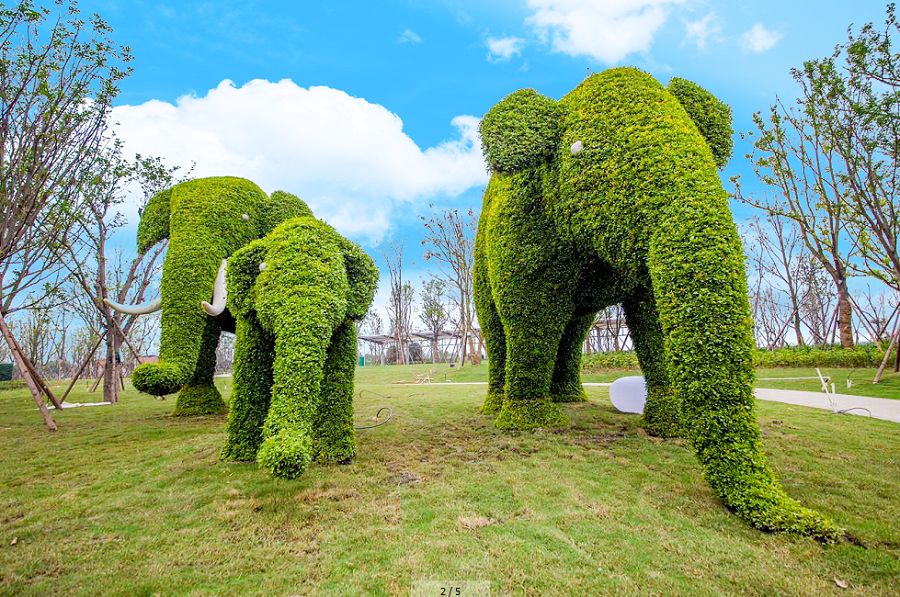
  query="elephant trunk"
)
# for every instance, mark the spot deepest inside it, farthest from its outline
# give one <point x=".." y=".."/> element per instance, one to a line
<point x="187" y="330"/>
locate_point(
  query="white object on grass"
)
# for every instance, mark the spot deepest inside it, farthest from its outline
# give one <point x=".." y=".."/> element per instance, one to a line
<point x="629" y="394"/>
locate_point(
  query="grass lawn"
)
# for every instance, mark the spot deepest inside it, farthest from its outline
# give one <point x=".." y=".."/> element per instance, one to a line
<point x="129" y="500"/>
<point x="860" y="381"/>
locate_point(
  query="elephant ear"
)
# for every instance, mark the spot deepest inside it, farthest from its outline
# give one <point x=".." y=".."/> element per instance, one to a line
<point x="711" y="116"/>
<point x="522" y="130"/>
<point x="362" y="276"/>
<point x="243" y="268"/>
<point x="154" y="222"/>
<point x="282" y="206"/>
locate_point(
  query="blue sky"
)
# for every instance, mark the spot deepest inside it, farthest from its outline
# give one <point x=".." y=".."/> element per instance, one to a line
<point x="369" y="109"/>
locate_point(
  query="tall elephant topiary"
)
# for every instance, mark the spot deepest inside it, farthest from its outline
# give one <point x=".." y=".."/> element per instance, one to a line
<point x="205" y="221"/>
<point x="611" y="195"/>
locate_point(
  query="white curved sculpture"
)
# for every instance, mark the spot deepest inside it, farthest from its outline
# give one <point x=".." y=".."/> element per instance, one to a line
<point x="220" y="294"/>
<point x="629" y="394"/>
<point x="135" y="309"/>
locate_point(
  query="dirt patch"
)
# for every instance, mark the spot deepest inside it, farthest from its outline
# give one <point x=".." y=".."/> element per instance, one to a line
<point x="475" y="522"/>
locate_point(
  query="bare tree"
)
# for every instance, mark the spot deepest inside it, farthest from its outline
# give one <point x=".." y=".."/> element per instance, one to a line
<point x="450" y="240"/>
<point x="57" y="82"/>
<point x="878" y="311"/>
<point x="775" y="251"/>
<point x="225" y="353"/>
<point x="434" y="313"/>
<point x="399" y="301"/>
<point x="99" y="276"/>
<point x="36" y="337"/>
<point x="817" y="305"/>
<point x="373" y="324"/>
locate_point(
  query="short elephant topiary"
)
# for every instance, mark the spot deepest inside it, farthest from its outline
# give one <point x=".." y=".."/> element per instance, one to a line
<point x="295" y="295"/>
<point x="610" y="196"/>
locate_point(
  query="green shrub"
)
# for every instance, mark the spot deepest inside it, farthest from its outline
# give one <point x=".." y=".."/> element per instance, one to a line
<point x="205" y="220"/>
<point x="520" y="131"/>
<point x="860" y="356"/>
<point x="711" y="116"/>
<point x="612" y="360"/>
<point x="6" y="371"/>
<point x="286" y="454"/>
<point x="12" y="384"/>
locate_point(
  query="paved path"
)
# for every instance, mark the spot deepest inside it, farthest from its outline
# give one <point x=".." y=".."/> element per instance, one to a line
<point x="880" y="408"/>
<point x="877" y="408"/>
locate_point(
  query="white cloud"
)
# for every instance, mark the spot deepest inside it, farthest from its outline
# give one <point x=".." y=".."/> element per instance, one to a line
<point x="702" y="31"/>
<point x="606" y="30"/>
<point x="409" y="37"/>
<point x="501" y="49"/>
<point x="347" y="157"/>
<point x="759" y="39"/>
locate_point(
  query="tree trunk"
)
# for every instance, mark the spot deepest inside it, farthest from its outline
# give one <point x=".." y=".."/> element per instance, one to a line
<point x="111" y="369"/>
<point x="845" y="315"/>
<point x="26" y="374"/>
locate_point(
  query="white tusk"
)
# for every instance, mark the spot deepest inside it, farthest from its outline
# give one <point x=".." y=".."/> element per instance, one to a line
<point x="576" y="148"/>
<point x="135" y="309"/>
<point x="220" y="293"/>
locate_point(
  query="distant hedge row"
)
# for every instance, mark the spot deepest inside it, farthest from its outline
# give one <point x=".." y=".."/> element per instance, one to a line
<point x="865" y="355"/>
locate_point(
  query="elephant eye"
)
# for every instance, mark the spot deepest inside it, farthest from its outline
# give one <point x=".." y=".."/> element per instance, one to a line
<point x="245" y="217"/>
<point x="577" y="147"/>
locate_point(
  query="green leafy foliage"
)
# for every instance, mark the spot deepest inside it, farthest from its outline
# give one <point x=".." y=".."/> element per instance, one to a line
<point x="860" y="356"/>
<point x="296" y="347"/>
<point x="197" y="400"/>
<point x="286" y="455"/>
<point x="711" y="116"/>
<point x="520" y="131"/>
<point x="637" y="217"/>
<point x="158" y="380"/>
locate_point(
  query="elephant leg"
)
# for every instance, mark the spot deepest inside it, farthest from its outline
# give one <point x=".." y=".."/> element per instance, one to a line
<point x="566" y="384"/>
<point x="697" y="268"/>
<point x="300" y="352"/>
<point x="333" y="439"/>
<point x="252" y="390"/>
<point x="494" y="336"/>
<point x="661" y="412"/>
<point x="529" y="370"/>
<point x="199" y="396"/>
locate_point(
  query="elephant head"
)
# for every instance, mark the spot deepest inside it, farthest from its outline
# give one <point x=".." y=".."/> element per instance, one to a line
<point x="526" y="128"/>
<point x="205" y="221"/>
